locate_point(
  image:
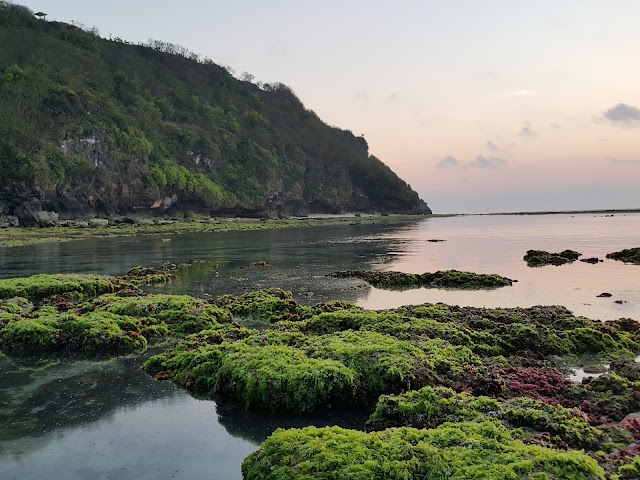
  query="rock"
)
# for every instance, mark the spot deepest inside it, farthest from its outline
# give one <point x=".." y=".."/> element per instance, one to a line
<point x="540" y="258"/>
<point x="595" y="369"/>
<point x="30" y="214"/>
<point x="120" y="220"/>
<point x="605" y="295"/>
<point x="629" y="255"/>
<point x="435" y="240"/>
<point x="592" y="260"/>
<point x="8" y="221"/>
<point x="98" y="222"/>
<point x="626" y="367"/>
<point x="47" y="219"/>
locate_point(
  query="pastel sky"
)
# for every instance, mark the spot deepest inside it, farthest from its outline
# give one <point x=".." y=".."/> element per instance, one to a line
<point x="481" y="106"/>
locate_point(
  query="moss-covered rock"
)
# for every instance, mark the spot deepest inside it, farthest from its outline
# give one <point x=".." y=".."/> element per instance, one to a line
<point x="542" y="422"/>
<point x="94" y="334"/>
<point x="293" y="371"/>
<point x="178" y="313"/>
<point x="485" y="450"/>
<point x="269" y="304"/>
<point x="39" y="287"/>
<point x="540" y="258"/>
<point x="538" y="332"/>
<point x="629" y="255"/>
<point x="453" y="279"/>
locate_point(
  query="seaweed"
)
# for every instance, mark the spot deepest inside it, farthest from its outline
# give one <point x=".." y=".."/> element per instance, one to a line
<point x="628" y="255"/>
<point x="540" y="258"/>
<point x="452" y="450"/>
<point x="452" y="279"/>
<point x="541" y="422"/>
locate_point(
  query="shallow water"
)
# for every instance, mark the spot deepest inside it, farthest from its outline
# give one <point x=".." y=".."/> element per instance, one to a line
<point x="99" y="420"/>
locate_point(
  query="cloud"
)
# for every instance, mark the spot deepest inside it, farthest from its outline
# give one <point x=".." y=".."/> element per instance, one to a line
<point x="623" y="115"/>
<point x="527" y="130"/>
<point x="448" y="162"/>
<point x="492" y="146"/>
<point x="488" y="162"/>
<point x="479" y="162"/>
<point x="519" y="93"/>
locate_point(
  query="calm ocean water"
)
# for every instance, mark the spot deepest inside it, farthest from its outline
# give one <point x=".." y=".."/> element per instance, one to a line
<point x="108" y="420"/>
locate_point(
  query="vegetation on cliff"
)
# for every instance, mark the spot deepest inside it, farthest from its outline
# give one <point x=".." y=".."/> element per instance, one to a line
<point x="94" y="125"/>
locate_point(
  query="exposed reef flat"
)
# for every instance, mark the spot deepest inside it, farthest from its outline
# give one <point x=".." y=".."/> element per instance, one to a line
<point x="540" y="258"/>
<point x="466" y="390"/>
<point x="15" y="237"/>
<point x="453" y="279"/>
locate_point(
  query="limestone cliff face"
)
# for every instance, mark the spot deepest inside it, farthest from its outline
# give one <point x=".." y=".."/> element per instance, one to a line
<point x="92" y="127"/>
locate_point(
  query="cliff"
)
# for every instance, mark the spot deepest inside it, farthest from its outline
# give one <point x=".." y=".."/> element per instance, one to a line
<point x="96" y="127"/>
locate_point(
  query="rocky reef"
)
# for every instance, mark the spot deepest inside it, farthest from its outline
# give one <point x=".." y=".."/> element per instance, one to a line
<point x="455" y="391"/>
<point x="629" y="255"/>
<point x="453" y="279"/>
<point x="540" y="258"/>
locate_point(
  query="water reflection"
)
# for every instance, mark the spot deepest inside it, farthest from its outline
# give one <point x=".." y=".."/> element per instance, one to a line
<point x="255" y="427"/>
<point x="39" y="397"/>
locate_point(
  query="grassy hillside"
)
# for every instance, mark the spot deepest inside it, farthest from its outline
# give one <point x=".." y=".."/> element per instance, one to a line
<point x="89" y="125"/>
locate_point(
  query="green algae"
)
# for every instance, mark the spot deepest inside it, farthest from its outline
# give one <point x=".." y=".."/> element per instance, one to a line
<point x="178" y="313"/>
<point x="542" y="422"/>
<point x="535" y="331"/>
<point x="630" y="470"/>
<point x="629" y="255"/>
<point x="385" y="351"/>
<point x="97" y="334"/>
<point x="452" y="279"/>
<point x="264" y="372"/>
<point x="73" y="318"/>
<point x="269" y="304"/>
<point x="540" y="258"/>
<point x="482" y="450"/>
<point x="39" y="287"/>
<point x="292" y="371"/>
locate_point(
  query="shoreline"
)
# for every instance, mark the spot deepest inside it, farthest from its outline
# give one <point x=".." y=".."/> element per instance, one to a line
<point x="18" y="237"/>
<point x="23" y="236"/>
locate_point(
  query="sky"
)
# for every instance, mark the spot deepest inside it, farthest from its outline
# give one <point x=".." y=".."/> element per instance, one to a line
<point x="481" y="106"/>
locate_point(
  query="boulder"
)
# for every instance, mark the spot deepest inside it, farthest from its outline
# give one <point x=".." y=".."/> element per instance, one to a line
<point x="98" y="222"/>
<point x="7" y="221"/>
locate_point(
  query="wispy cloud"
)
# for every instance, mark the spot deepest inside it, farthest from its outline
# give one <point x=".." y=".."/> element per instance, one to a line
<point x="488" y="162"/>
<point x="479" y="162"/>
<point x="519" y="93"/>
<point x="527" y="130"/>
<point x="492" y="146"/>
<point x="623" y="115"/>
<point x="448" y="162"/>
